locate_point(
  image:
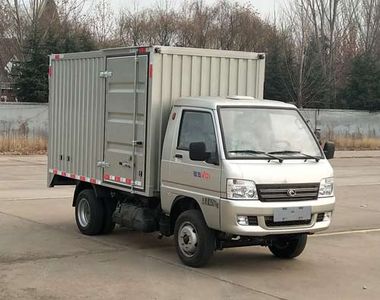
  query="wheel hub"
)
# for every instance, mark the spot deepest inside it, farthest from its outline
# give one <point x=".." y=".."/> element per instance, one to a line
<point x="84" y="212"/>
<point x="188" y="239"/>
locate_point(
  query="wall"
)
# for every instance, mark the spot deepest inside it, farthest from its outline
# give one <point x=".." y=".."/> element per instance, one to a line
<point x="344" y="122"/>
<point x="29" y="119"/>
<point x="32" y="119"/>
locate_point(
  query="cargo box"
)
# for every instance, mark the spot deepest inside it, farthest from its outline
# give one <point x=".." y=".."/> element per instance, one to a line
<point x="108" y="109"/>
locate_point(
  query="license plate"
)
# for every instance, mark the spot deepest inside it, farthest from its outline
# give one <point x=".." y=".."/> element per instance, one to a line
<point x="284" y="214"/>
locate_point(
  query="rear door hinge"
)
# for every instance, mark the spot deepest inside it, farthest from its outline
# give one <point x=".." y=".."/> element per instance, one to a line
<point x="105" y="74"/>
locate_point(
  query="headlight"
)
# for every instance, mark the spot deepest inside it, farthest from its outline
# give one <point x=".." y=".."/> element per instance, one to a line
<point x="241" y="190"/>
<point x="326" y="188"/>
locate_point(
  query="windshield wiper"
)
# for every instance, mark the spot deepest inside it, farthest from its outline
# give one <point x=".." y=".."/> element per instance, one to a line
<point x="258" y="152"/>
<point x="307" y="156"/>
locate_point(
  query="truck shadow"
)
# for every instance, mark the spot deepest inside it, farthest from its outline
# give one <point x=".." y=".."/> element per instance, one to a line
<point x="244" y="259"/>
<point x="137" y="240"/>
<point x="253" y="258"/>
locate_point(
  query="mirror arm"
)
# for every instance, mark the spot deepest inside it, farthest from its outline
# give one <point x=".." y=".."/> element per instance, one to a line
<point x="214" y="161"/>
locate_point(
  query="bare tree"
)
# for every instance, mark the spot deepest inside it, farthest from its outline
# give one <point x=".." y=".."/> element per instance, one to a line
<point x="133" y="26"/>
<point x="328" y="27"/>
<point x="296" y="24"/>
<point x="103" y="23"/>
<point x="367" y="18"/>
<point x="162" y="23"/>
<point x="6" y="23"/>
<point x="195" y="24"/>
<point x="16" y="24"/>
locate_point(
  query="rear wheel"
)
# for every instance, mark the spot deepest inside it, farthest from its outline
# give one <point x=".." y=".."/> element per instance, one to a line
<point x="289" y="246"/>
<point x="195" y="242"/>
<point x="89" y="213"/>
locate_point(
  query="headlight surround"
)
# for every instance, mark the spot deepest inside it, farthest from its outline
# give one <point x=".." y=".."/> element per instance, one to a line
<point x="326" y="188"/>
<point x="238" y="189"/>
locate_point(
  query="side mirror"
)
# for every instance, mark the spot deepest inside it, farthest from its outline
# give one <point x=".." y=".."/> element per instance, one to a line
<point x="198" y="151"/>
<point x="329" y="150"/>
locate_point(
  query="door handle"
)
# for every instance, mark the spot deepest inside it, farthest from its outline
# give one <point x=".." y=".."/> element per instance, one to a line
<point x="178" y="156"/>
<point x="103" y="164"/>
<point x="124" y="164"/>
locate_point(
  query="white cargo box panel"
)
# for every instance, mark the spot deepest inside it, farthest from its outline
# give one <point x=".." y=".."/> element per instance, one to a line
<point x="108" y="109"/>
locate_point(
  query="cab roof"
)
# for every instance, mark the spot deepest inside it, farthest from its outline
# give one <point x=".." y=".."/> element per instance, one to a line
<point x="214" y="102"/>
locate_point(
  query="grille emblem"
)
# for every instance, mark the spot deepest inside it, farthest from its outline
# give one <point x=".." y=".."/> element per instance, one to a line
<point x="291" y="192"/>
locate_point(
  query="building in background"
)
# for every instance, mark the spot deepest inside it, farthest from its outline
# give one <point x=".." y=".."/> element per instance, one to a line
<point x="8" y="57"/>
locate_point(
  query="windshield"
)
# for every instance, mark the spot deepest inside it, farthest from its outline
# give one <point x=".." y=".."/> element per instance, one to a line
<point x="256" y="132"/>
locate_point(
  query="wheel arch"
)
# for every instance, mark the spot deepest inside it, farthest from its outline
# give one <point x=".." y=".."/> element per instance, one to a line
<point x="181" y="204"/>
<point x="81" y="185"/>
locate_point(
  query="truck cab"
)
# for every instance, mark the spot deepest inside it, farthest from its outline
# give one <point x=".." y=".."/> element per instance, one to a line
<point x="251" y="170"/>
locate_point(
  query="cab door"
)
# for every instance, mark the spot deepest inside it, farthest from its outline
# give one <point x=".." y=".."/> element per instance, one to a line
<point x="199" y="180"/>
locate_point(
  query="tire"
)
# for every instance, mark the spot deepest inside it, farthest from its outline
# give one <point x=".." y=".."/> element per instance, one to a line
<point x="108" y="223"/>
<point x="289" y="247"/>
<point x="89" y="213"/>
<point x="195" y="242"/>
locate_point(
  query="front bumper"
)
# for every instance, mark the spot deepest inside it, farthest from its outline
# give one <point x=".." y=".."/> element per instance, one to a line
<point x="230" y="209"/>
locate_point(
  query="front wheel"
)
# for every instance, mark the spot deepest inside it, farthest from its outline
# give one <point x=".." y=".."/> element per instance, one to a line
<point x="289" y="246"/>
<point x="195" y="242"/>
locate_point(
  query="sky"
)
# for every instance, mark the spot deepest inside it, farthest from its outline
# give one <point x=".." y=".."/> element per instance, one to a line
<point x="266" y="8"/>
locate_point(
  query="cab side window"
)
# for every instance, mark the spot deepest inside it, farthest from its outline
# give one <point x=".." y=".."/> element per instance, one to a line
<point x="197" y="126"/>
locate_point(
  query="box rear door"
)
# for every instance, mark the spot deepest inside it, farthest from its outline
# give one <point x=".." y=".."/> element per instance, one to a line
<point x="125" y="120"/>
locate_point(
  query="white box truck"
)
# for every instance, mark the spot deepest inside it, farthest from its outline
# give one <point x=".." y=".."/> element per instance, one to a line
<point x="177" y="140"/>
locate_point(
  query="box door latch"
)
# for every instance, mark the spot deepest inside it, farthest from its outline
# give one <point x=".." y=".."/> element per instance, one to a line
<point x="137" y="143"/>
<point x="105" y="74"/>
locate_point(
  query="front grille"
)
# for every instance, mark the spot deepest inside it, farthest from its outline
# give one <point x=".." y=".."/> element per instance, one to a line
<point x="270" y="223"/>
<point x="287" y="192"/>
